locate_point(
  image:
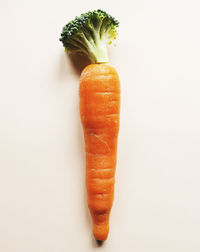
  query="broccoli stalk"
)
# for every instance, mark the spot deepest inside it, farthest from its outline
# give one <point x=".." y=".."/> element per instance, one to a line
<point x="89" y="34"/>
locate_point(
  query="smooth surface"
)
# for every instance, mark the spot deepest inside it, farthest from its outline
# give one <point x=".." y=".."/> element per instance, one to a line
<point x="42" y="188"/>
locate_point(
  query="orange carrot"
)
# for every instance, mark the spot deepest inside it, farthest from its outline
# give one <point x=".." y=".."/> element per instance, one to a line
<point x="99" y="110"/>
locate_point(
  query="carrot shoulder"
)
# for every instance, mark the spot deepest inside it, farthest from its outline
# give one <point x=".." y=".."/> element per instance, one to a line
<point x="99" y="110"/>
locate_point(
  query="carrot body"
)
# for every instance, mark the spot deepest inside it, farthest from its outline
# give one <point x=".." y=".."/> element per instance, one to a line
<point x="99" y="110"/>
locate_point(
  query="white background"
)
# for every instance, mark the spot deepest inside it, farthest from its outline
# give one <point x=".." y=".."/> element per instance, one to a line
<point x="42" y="189"/>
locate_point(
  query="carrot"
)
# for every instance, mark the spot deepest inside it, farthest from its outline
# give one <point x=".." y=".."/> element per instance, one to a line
<point x="99" y="110"/>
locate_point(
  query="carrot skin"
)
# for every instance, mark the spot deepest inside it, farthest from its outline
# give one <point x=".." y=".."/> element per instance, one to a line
<point x="100" y="110"/>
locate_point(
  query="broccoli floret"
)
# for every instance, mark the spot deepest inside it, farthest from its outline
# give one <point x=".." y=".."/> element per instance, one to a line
<point x="89" y="34"/>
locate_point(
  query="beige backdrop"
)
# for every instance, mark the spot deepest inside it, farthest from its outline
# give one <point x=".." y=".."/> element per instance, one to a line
<point x="42" y="191"/>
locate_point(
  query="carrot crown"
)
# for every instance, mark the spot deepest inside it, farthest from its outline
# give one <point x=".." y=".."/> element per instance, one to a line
<point x="89" y="34"/>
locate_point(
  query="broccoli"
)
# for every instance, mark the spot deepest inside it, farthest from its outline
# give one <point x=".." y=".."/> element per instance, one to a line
<point x="89" y="34"/>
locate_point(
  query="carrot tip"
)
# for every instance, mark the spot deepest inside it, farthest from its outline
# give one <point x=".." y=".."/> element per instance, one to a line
<point x="101" y="231"/>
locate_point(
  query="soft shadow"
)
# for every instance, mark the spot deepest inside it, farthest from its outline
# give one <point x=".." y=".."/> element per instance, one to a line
<point x="71" y="64"/>
<point x="63" y="70"/>
<point x="79" y="62"/>
<point x="99" y="243"/>
<point x="96" y="243"/>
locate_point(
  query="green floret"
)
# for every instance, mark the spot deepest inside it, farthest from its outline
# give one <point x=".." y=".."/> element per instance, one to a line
<point x="89" y="34"/>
